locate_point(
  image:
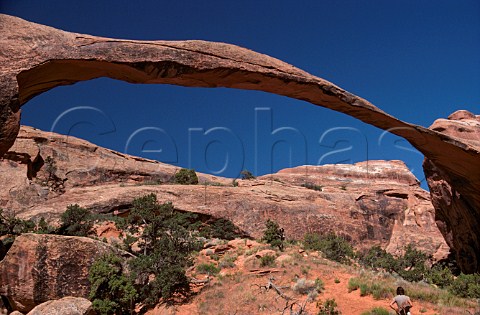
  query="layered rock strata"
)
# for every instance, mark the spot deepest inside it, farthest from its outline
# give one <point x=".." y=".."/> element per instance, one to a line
<point x="35" y="58"/>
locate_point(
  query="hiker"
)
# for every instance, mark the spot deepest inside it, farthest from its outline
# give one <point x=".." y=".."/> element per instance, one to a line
<point x="403" y="302"/>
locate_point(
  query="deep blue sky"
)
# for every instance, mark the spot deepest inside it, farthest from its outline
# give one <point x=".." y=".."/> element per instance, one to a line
<point x="417" y="60"/>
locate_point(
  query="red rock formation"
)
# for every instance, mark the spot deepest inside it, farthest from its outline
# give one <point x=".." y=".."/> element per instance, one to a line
<point x="378" y="202"/>
<point x="457" y="216"/>
<point x="65" y="306"/>
<point x="35" y="58"/>
<point x="39" y="268"/>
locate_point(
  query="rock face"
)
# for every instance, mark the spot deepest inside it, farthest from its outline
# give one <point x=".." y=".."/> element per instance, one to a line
<point x="39" y="268"/>
<point x="65" y="306"/>
<point x="79" y="166"/>
<point x="456" y="214"/>
<point x="374" y="203"/>
<point x="35" y="58"/>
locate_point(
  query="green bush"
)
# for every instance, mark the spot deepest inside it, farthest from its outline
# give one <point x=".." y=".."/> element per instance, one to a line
<point x="377" y="290"/>
<point x="466" y="286"/>
<point x="312" y="241"/>
<point x="378" y="258"/>
<point x="333" y="247"/>
<point x="208" y="269"/>
<point x="223" y="229"/>
<point x="377" y="311"/>
<point x="166" y="244"/>
<point x="440" y="276"/>
<point x="329" y="307"/>
<point x="111" y="291"/>
<point x="186" y="177"/>
<point x="267" y="261"/>
<point x="312" y="186"/>
<point x="354" y="284"/>
<point x="364" y="289"/>
<point x="228" y="261"/>
<point x="43" y="227"/>
<point x="76" y="221"/>
<point x="412" y="264"/>
<point x="274" y="235"/>
<point x="247" y="174"/>
<point x="319" y="285"/>
<point x="11" y="225"/>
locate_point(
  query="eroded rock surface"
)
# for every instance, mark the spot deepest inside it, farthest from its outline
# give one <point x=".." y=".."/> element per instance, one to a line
<point x="375" y="202"/>
<point x="35" y="58"/>
<point x="66" y="306"/>
<point x="457" y="215"/>
<point x="39" y="268"/>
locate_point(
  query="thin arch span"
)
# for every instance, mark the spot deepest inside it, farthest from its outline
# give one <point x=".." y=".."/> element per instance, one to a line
<point x="35" y="58"/>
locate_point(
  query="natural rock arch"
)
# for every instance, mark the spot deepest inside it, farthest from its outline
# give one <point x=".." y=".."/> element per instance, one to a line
<point x="35" y="58"/>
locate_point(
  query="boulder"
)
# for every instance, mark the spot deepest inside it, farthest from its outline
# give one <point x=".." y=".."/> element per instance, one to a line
<point x="64" y="306"/>
<point x="40" y="267"/>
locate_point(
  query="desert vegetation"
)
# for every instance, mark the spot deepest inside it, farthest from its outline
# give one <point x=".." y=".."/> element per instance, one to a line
<point x="176" y="257"/>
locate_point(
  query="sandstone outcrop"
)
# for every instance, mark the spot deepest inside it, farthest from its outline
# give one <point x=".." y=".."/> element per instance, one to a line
<point x="64" y="306"/>
<point x="35" y="58"/>
<point x="375" y="202"/>
<point x="39" y="268"/>
<point x="457" y="216"/>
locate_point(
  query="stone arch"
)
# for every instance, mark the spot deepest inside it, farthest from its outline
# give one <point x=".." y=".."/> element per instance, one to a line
<point x="35" y="58"/>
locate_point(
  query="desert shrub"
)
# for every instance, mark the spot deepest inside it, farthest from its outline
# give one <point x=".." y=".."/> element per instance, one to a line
<point x="332" y="246"/>
<point x="411" y="266"/>
<point x="43" y="227"/>
<point x="440" y="276"/>
<point x="274" y="235"/>
<point x="185" y="177"/>
<point x="329" y="307"/>
<point x="50" y="167"/>
<point x="312" y="241"/>
<point x="246" y="174"/>
<point x="466" y="286"/>
<point x="228" y="261"/>
<point x="223" y="229"/>
<point x="319" y="285"/>
<point x="267" y="261"/>
<point x="76" y="221"/>
<point x="384" y="286"/>
<point x="312" y="186"/>
<point x="111" y="291"/>
<point x="10" y="224"/>
<point x="353" y="284"/>
<point x="166" y="245"/>
<point x="376" y="311"/>
<point x="377" y="289"/>
<point x="378" y="258"/>
<point x="364" y="289"/>
<point x="208" y="269"/>
<point x="304" y="286"/>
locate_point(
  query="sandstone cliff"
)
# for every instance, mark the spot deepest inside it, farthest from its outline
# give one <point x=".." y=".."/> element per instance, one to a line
<point x="457" y="215"/>
<point x="39" y="268"/>
<point x="375" y="202"/>
<point x="35" y="58"/>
